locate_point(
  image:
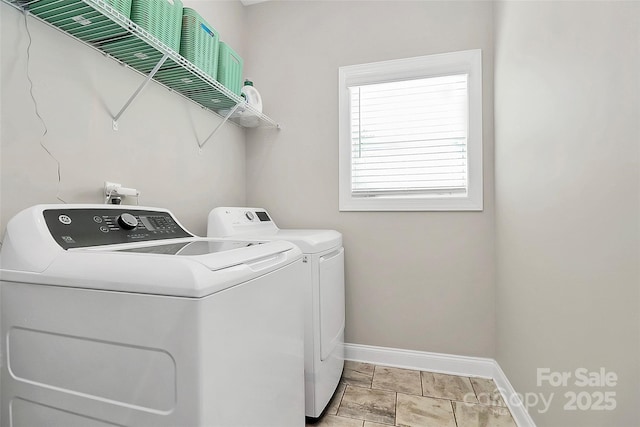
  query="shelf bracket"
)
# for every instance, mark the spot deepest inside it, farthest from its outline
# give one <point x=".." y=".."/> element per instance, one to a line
<point x="137" y="92"/>
<point x="224" y="120"/>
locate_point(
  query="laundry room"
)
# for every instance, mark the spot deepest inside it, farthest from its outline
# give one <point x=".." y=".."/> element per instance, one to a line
<point x="510" y="297"/>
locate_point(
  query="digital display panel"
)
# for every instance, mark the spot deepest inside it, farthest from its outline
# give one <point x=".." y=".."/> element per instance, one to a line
<point x="262" y="216"/>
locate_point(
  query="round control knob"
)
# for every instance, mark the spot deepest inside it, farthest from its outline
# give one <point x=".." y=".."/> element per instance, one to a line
<point x="127" y="221"/>
<point x="249" y="215"/>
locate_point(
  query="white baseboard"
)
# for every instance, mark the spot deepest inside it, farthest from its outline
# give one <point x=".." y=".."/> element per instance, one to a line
<point x="446" y="364"/>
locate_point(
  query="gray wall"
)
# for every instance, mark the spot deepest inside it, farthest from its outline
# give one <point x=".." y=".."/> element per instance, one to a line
<point x="567" y="110"/>
<point x="414" y="280"/>
<point x="547" y="276"/>
<point x="78" y="90"/>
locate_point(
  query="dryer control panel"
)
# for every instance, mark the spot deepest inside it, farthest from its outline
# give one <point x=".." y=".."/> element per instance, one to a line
<point x="231" y="221"/>
<point x="83" y="227"/>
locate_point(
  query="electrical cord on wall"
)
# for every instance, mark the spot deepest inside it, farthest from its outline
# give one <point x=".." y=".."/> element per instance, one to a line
<point x="35" y="105"/>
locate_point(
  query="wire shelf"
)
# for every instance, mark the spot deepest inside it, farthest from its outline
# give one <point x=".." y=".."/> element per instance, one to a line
<point x="105" y="25"/>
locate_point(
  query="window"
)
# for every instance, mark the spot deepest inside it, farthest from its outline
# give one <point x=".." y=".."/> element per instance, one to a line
<point x="411" y="134"/>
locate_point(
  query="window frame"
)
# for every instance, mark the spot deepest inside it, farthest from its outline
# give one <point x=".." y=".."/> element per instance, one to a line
<point x="462" y="62"/>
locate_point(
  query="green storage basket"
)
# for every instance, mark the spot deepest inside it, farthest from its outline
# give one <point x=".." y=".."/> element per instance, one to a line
<point x="194" y="87"/>
<point x="199" y="42"/>
<point x="134" y="52"/>
<point x="80" y="19"/>
<point x="230" y="68"/>
<point x="161" y="18"/>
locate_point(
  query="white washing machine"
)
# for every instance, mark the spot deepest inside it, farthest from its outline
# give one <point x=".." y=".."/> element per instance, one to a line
<point x="323" y="259"/>
<point x="118" y="316"/>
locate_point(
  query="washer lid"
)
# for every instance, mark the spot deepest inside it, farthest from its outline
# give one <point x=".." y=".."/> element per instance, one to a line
<point x="86" y="246"/>
<point x="189" y="247"/>
<point x="191" y="268"/>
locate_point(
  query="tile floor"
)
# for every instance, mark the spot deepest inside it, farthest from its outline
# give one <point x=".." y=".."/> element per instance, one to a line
<point x="379" y="396"/>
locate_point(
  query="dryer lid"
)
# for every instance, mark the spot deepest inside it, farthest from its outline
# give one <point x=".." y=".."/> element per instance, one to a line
<point x="256" y="223"/>
<point x="309" y="241"/>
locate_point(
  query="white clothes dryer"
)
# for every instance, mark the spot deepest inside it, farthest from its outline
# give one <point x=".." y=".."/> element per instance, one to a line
<point x="324" y="308"/>
<point x="115" y="315"/>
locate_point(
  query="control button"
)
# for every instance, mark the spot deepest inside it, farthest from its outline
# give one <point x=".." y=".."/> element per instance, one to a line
<point x="249" y="215"/>
<point x="104" y="229"/>
<point x="97" y="219"/>
<point x="64" y="219"/>
<point x="127" y="221"/>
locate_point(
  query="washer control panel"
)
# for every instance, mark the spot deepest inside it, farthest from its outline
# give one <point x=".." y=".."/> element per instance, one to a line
<point x="78" y="228"/>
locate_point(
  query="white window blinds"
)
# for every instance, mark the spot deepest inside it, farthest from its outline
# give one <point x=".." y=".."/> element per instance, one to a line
<point x="409" y="138"/>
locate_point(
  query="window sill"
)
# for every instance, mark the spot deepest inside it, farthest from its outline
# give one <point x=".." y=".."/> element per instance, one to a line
<point x="411" y="204"/>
